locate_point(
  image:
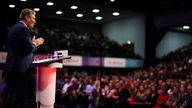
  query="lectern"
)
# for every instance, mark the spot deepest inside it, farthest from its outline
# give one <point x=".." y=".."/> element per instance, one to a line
<point x="46" y="81"/>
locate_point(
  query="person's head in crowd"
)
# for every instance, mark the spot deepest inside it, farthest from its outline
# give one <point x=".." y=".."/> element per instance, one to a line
<point x="160" y="82"/>
<point x="136" y="82"/>
<point x="120" y="85"/>
<point x="73" y="80"/>
<point x="97" y="84"/>
<point x="127" y="83"/>
<point x="111" y="85"/>
<point x="145" y="83"/>
<point x="141" y="88"/>
<point x="182" y="89"/>
<point x="153" y="88"/>
<point x="164" y="87"/>
<point x="175" y="89"/>
<point x="189" y="88"/>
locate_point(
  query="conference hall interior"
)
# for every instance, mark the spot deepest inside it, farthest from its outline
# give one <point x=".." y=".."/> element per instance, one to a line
<point x="123" y="53"/>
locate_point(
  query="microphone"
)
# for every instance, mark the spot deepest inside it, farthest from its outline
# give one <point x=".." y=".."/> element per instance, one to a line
<point x="34" y="33"/>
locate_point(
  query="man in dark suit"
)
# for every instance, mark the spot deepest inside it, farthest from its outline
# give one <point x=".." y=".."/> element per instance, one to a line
<point x="20" y="47"/>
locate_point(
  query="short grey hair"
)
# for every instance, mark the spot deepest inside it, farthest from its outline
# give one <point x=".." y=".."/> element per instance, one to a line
<point x="26" y="12"/>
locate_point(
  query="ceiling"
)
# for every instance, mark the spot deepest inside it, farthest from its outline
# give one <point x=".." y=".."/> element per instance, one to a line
<point x="84" y="7"/>
<point x="126" y="8"/>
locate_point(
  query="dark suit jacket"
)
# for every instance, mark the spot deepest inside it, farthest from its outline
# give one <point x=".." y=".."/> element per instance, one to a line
<point x="20" y="49"/>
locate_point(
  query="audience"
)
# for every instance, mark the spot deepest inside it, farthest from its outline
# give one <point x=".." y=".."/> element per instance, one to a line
<point x="165" y="85"/>
<point x="83" y="43"/>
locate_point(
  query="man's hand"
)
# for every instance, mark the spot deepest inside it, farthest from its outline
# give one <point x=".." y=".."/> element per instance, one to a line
<point x="37" y="41"/>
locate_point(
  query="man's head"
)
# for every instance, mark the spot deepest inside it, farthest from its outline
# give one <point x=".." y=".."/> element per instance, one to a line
<point x="28" y="17"/>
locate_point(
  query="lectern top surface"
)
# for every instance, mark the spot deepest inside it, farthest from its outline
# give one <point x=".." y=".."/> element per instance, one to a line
<point x="50" y="60"/>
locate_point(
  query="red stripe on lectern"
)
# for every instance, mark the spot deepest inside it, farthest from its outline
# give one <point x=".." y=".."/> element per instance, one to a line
<point x="45" y="76"/>
<point x="37" y="81"/>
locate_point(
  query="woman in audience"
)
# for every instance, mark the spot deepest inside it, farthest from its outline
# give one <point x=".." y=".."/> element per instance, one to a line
<point x="163" y="97"/>
<point x="173" y="98"/>
<point x="153" y="96"/>
<point x="187" y="102"/>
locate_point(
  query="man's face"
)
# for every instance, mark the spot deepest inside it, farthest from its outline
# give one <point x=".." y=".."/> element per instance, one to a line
<point x="30" y="21"/>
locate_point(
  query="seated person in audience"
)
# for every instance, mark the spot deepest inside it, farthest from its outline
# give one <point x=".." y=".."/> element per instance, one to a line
<point x="122" y="94"/>
<point x="111" y="98"/>
<point x="173" y="98"/>
<point x="141" y="96"/>
<point x="182" y="94"/>
<point x="163" y="97"/>
<point x="132" y="91"/>
<point x="152" y="99"/>
<point x="187" y="102"/>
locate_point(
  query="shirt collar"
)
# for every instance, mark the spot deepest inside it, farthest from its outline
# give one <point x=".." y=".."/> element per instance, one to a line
<point x="24" y="23"/>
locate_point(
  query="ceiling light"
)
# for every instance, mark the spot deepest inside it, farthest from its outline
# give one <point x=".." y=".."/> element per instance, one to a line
<point x="129" y="42"/>
<point x="11" y="6"/>
<point x="59" y="12"/>
<point x="95" y="10"/>
<point x="115" y="13"/>
<point x="23" y="0"/>
<point x="79" y="15"/>
<point x="186" y="27"/>
<point x="36" y="9"/>
<point x="112" y="0"/>
<point x="98" y="18"/>
<point x="50" y="3"/>
<point x="74" y="7"/>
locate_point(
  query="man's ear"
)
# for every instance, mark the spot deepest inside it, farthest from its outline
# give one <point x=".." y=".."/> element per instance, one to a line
<point x="27" y="18"/>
